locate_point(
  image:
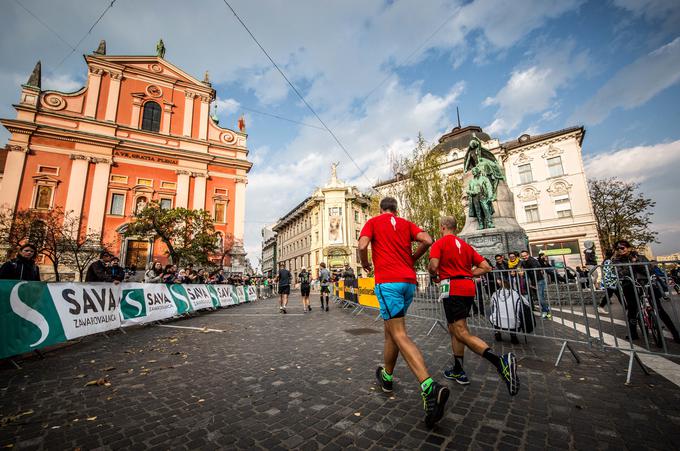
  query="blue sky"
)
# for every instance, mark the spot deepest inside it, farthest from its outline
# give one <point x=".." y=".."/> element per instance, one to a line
<point x="512" y="67"/>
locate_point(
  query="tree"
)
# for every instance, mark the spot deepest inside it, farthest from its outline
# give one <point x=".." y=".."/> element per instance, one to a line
<point x="188" y="234"/>
<point x="79" y="249"/>
<point x="621" y="212"/>
<point x="427" y="193"/>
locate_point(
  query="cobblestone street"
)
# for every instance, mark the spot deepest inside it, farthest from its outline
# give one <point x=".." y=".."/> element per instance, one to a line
<point x="250" y="378"/>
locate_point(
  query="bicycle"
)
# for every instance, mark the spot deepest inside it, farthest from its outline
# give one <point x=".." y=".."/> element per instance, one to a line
<point x="650" y="324"/>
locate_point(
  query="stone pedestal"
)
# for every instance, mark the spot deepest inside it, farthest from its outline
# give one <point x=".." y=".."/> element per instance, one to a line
<point x="238" y="257"/>
<point x="506" y="236"/>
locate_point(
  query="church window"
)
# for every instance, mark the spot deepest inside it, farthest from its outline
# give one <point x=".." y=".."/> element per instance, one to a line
<point x="220" y="212"/>
<point x="145" y="182"/>
<point x="151" y="118"/>
<point x="117" y="204"/>
<point x="166" y="203"/>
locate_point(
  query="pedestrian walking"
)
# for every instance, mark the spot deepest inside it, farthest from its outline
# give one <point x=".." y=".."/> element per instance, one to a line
<point x="304" y="279"/>
<point x="98" y="271"/>
<point x="390" y="238"/>
<point x="455" y="263"/>
<point x="23" y="266"/>
<point x="325" y="283"/>
<point x="283" y="279"/>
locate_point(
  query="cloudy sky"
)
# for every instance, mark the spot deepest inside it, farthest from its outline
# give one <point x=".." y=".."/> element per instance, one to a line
<point x="378" y="72"/>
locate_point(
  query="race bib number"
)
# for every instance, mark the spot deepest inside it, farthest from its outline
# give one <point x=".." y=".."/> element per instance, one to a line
<point x="444" y="288"/>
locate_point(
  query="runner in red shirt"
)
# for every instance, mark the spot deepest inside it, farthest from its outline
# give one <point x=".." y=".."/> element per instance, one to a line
<point x="390" y="238"/>
<point x="455" y="263"/>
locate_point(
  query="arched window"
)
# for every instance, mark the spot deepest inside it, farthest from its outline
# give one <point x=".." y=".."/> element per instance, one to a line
<point x="151" y="119"/>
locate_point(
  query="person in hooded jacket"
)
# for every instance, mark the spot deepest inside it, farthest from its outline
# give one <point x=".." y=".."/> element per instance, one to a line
<point x="22" y="267"/>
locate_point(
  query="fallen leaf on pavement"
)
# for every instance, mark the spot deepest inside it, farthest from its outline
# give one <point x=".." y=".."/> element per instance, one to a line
<point x="80" y="376"/>
<point x="201" y="400"/>
<point x="151" y="361"/>
<point x="91" y="418"/>
<point x="100" y="381"/>
<point x="109" y="368"/>
<point x="11" y="418"/>
<point x="357" y="414"/>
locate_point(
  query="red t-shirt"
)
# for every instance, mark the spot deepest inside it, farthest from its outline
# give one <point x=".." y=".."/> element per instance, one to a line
<point x="456" y="259"/>
<point x="391" y="239"/>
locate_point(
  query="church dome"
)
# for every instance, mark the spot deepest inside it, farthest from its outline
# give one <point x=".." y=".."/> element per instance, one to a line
<point x="459" y="138"/>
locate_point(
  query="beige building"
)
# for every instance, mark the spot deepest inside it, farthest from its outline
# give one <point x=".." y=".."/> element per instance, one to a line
<point x="324" y="227"/>
<point x="546" y="175"/>
<point x="268" y="252"/>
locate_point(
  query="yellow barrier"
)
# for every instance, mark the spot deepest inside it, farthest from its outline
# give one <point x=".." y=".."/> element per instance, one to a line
<point x="367" y="293"/>
<point x="341" y="289"/>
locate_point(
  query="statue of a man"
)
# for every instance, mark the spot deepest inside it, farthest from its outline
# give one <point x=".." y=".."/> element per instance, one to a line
<point x="334" y="170"/>
<point x="480" y="198"/>
<point x="479" y="157"/>
<point x="160" y="49"/>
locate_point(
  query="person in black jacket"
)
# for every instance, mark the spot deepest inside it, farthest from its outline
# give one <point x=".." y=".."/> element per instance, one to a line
<point x="22" y="267"/>
<point x="536" y="281"/>
<point x="98" y="271"/>
<point x="117" y="272"/>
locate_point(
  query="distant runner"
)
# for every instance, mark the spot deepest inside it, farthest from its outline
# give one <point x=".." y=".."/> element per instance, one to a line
<point x="390" y="238"/>
<point x="325" y="282"/>
<point x="455" y="263"/>
<point x="304" y="279"/>
<point x="284" y="287"/>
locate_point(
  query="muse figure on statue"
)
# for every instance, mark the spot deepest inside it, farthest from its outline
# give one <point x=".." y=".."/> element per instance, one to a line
<point x="480" y="197"/>
<point x="478" y="156"/>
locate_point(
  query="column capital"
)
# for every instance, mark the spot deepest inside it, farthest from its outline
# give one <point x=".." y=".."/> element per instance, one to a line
<point x="75" y="156"/>
<point x="114" y="74"/>
<point x="15" y="148"/>
<point x="205" y="98"/>
<point x="96" y="71"/>
<point x="189" y="94"/>
<point x="182" y="172"/>
<point x="198" y="174"/>
<point x="241" y="180"/>
<point x="98" y="160"/>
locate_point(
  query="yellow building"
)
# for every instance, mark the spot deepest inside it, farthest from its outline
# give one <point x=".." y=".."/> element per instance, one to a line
<point x="324" y="227"/>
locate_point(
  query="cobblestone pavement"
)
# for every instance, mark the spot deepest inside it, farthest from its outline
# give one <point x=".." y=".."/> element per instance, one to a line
<point x="273" y="381"/>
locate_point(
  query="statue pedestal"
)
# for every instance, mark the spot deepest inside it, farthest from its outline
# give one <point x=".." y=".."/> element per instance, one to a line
<point x="238" y="257"/>
<point x="506" y="236"/>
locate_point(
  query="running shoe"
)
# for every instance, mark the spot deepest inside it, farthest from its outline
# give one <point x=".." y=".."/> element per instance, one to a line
<point x="602" y="311"/>
<point x="385" y="385"/>
<point x="508" y="372"/>
<point x="283" y="310"/>
<point x="434" y="403"/>
<point x="326" y="308"/>
<point x="458" y="376"/>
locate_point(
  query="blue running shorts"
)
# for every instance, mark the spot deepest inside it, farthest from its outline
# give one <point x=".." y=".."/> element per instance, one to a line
<point x="394" y="298"/>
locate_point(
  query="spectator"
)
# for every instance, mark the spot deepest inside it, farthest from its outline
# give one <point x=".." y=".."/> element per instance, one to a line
<point x="536" y="281"/>
<point x="628" y="275"/>
<point x="99" y="271"/>
<point x="182" y="277"/>
<point x="609" y="281"/>
<point x="154" y="274"/>
<point x="23" y="266"/>
<point x="219" y="276"/>
<point x="583" y="277"/>
<point x="507" y="312"/>
<point x="348" y="274"/>
<point x="550" y="273"/>
<point x="169" y="275"/>
<point x="117" y="272"/>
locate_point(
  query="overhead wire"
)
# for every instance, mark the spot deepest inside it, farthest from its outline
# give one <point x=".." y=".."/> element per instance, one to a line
<point x="362" y="172"/>
<point x="101" y="16"/>
<point x="281" y="118"/>
<point x="44" y="24"/>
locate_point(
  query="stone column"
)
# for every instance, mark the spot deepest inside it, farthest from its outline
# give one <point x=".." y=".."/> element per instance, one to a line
<point x="76" y="185"/>
<point x="240" y="208"/>
<point x="100" y="188"/>
<point x="136" y="110"/>
<point x="199" y="191"/>
<point x="203" y="120"/>
<point x="167" y="116"/>
<point x="92" y="98"/>
<point x="182" y="198"/>
<point x="188" y="112"/>
<point x="11" y="180"/>
<point x="114" y="91"/>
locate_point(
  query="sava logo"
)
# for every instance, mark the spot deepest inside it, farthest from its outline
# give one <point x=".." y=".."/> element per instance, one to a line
<point x="180" y="298"/>
<point x="29" y="314"/>
<point x="132" y="304"/>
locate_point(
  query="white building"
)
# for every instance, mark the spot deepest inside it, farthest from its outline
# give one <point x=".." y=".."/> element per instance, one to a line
<point x="268" y="251"/>
<point x="546" y="175"/>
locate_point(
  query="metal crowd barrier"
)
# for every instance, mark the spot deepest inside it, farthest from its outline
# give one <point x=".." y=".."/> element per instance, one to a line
<point x="550" y="303"/>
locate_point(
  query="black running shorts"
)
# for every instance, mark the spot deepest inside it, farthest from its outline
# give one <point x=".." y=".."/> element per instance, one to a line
<point x="457" y="307"/>
<point x="304" y="290"/>
<point x="325" y="289"/>
<point x="284" y="289"/>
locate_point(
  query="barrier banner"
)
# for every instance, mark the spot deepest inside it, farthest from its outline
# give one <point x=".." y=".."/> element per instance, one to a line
<point x="199" y="296"/>
<point x="223" y="293"/>
<point x="180" y="297"/>
<point x="251" y="293"/>
<point x="86" y="308"/>
<point x="241" y="294"/>
<point x="367" y="293"/>
<point x="142" y="303"/>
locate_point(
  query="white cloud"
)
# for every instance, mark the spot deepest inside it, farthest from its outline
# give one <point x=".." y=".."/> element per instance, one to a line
<point x="654" y="167"/>
<point x="227" y="106"/>
<point x="61" y="82"/>
<point x="650" y="9"/>
<point x="533" y="89"/>
<point x="634" y="84"/>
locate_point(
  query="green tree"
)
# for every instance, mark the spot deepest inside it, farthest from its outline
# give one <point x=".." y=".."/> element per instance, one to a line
<point x="189" y="235"/>
<point x="621" y="212"/>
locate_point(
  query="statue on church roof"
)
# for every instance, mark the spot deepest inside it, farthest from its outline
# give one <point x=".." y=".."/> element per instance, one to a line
<point x="206" y="77"/>
<point x="334" y="171"/>
<point x="35" y="78"/>
<point x="101" y="50"/>
<point x="242" y="124"/>
<point x="160" y="49"/>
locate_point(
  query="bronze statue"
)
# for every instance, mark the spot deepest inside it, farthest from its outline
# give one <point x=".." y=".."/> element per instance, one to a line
<point x="160" y="49"/>
<point x="480" y="197"/>
<point x="482" y="188"/>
